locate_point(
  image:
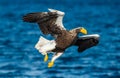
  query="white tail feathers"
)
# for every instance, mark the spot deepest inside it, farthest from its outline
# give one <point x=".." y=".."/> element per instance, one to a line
<point x="41" y="42"/>
<point x="44" y="45"/>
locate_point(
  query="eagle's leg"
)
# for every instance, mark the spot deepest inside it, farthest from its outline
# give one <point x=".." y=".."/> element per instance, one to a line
<point x="51" y="63"/>
<point x="44" y="46"/>
<point x="46" y="57"/>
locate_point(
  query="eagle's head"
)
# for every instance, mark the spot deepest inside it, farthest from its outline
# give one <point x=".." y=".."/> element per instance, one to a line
<point x="81" y="30"/>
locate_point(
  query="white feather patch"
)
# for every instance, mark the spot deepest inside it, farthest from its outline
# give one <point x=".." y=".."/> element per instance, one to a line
<point x="92" y="35"/>
<point x="42" y="41"/>
<point x="58" y="12"/>
<point x="44" y="45"/>
<point x="60" y="17"/>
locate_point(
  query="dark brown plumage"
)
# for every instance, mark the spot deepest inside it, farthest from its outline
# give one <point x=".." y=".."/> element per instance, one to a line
<point x="45" y="20"/>
<point x="51" y="23"/>
<point x="66" y="39"/>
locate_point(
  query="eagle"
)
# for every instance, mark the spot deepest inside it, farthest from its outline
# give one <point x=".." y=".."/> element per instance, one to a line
<point x="51" y="23"/>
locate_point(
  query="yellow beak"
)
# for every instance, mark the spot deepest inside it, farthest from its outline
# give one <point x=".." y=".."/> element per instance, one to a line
<point x="83" y="30"/>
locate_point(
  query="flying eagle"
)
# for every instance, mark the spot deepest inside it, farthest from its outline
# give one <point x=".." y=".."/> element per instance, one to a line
<point x="51" y="23"/>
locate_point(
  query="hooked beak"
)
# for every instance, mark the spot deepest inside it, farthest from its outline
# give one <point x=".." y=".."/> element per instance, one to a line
<point x="83" y="30"/>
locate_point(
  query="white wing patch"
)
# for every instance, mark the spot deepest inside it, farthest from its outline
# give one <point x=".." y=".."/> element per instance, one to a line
<point x="60" y="18"/>
<point x="58" y="12"/>
<point x="93" y="35"/>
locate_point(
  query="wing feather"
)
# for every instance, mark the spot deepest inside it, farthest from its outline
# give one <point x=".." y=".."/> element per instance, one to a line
<point x="84" y="43"/>
<point x="49" y="22"/>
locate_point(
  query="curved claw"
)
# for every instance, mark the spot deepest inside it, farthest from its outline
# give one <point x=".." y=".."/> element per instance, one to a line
<point x="50" y="64"/>
<point x="46" y="58"/>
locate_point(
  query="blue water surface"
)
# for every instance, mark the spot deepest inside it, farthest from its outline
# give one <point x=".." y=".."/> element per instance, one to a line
<point x="19" y="58"/>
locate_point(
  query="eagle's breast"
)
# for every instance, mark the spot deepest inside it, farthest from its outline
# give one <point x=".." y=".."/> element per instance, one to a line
<point x="65" y="40"/>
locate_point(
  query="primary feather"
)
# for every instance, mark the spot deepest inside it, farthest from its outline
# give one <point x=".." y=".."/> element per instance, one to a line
<point x="49" y="22"/>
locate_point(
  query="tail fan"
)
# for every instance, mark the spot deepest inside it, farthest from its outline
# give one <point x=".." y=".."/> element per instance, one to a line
<point x="42" y="41"/>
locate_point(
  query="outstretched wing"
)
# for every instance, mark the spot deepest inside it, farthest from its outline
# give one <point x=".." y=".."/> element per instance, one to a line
<point x="49" y="22"/>
<point x="87" y="41"/>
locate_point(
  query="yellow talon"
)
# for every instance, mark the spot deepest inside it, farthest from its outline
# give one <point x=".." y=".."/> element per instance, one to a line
<point x="50" y="64"/>
<point x="46" y="58"/>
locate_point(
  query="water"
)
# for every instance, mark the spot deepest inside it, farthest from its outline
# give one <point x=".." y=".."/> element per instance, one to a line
<point x="19" y="58"/>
